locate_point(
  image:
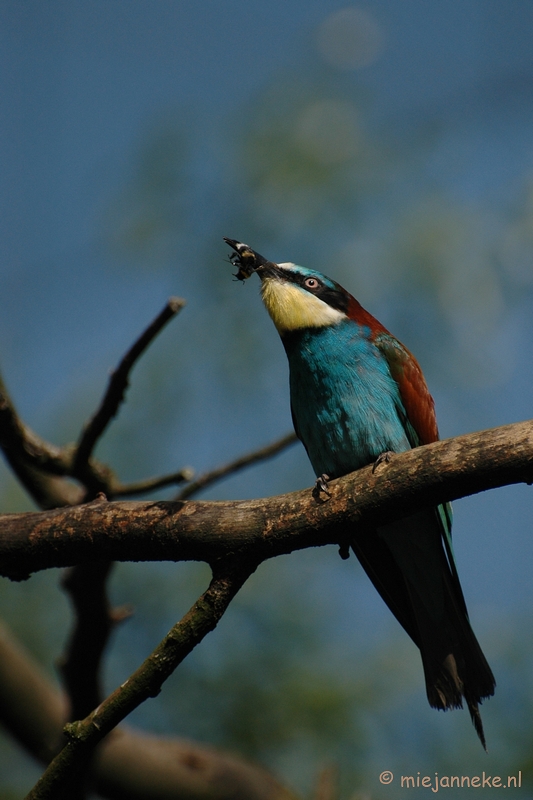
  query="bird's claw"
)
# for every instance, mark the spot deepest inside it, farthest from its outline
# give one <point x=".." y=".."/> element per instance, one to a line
<point x="383" y="458"/>
<point x="321" y="487"/>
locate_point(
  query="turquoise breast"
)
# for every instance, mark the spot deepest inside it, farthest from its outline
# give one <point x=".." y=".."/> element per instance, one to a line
<point x="345" y="404"/>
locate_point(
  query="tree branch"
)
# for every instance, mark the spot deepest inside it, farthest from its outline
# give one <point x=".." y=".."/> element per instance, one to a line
<point x="117" y="386"/>
<point x="208" y="478"/>
<point x="95" y="621"/>
<point x="151" y="484"/>
<point x="131" y="765"/>
<point x="63" y="774"/>
<point x="261" y="529"/>
<point x="36" y="463"/>
<point x="16" y="437"/>
<point x="41" y="467"/>
<point x="31" y="708"/>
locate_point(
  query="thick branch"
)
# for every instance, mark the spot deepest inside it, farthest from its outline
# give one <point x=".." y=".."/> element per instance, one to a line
<point x="260" y="529"/>
<point x="64" y="771"/>
<point x="118" y="384"/>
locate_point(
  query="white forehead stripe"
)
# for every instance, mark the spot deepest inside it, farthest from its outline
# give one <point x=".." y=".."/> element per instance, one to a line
<point x="292" y="308"/>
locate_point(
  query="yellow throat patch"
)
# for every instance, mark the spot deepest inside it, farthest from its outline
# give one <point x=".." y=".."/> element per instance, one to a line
<point x="292" y="308"/>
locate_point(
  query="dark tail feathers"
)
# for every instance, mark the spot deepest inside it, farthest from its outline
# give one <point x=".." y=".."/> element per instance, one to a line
<point x="446" y="689"/>
<point x="407" y="563"/>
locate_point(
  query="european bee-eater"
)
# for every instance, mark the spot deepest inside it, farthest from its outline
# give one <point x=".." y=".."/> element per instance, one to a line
<point x="357" y="393"/>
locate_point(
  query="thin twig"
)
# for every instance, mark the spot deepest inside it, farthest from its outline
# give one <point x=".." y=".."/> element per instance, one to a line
<point x="118" y="384"/>
<point x="64" y="771"/>
<point x="151" y="484"/>
<point x="208" y="478"/>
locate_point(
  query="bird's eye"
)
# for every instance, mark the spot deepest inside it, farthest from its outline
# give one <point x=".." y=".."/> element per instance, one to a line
<point x="311" y="283"/>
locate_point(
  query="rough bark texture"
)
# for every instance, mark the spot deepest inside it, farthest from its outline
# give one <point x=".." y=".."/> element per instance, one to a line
<point x="261" y="529"/>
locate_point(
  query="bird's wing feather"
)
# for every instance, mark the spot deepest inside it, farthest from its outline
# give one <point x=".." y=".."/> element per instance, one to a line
<point x="420" y="411"/>
<point x="416" y="399"/>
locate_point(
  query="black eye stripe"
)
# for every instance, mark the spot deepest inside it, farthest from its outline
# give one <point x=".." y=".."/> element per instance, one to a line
<point x="335" y="297"/>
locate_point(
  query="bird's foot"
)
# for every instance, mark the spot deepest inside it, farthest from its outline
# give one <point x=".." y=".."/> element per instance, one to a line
<point x="321" y="487"/>
<point x="383" y="458"/>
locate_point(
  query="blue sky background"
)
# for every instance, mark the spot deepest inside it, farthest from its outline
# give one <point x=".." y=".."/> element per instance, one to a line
<point x="135" y="135"/>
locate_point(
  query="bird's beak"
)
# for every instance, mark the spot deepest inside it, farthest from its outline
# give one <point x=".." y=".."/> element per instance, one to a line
<point x="248" y="262"/>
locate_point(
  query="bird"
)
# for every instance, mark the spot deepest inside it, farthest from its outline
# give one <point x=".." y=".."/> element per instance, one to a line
<point x="357" y="394"/>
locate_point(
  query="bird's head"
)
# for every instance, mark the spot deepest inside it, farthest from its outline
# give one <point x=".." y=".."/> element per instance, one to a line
<point x="295" y="297"/>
